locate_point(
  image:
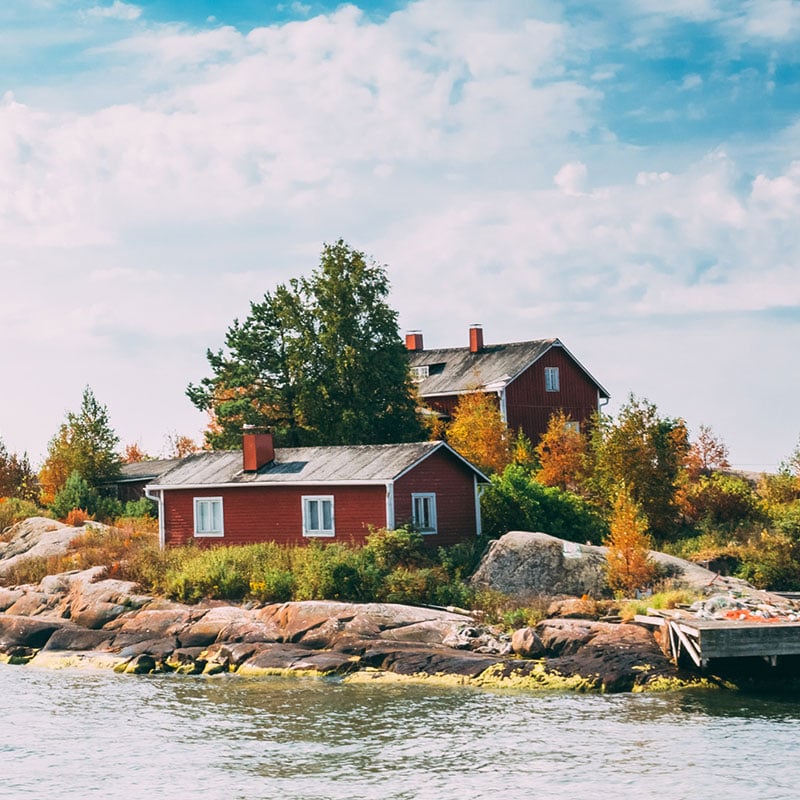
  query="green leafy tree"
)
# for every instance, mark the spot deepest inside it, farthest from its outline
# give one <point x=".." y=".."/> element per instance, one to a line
<point x="515" y="501"/>
<point x="86" y="444"/>
<point x="319" y="360"/>
<point x="645" y="453"/>
<point x="17" y="478"/>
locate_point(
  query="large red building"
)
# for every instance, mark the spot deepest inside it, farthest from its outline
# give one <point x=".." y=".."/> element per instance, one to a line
<point x="531" y="380"/>
<point x="293" y="495"/>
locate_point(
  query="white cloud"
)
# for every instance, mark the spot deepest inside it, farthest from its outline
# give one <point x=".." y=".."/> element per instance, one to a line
<point x="117" y="10"/>
<point x="452" y="140"/>
<point x="571" y="178"/>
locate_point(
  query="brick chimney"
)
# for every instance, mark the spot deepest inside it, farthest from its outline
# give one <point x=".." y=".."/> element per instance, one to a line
<point x="475" y="338"/>
<point x="414" y="341"/>
<point x="257" y="449"/>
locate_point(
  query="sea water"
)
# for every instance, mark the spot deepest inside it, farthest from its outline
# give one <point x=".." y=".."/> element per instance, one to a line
<point x="78" y="734"/>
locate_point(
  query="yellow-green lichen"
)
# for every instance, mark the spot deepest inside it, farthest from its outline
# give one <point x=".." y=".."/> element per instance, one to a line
<point x="538" y="678"/>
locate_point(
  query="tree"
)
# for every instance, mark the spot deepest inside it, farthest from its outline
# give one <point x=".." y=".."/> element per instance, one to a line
<point x="133" y="454"/>
<point x="514" y="501"/>
<point x="628" y="563"/>
<point x="319" y="360"/>
<point x="707" y="454"/>
<point x="645" y="453"/>
<point x="86" y="444"/>
<point x="17" y="478"/>
<point x="479" y="433"/>
<point x="179" y="446"/>
<point x="562" y="454"/>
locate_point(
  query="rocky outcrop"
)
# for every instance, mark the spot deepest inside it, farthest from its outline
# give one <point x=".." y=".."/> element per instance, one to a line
<point x="82" y="618"/>
<point x="36" y="537"/>
<point x="525" y="565"/>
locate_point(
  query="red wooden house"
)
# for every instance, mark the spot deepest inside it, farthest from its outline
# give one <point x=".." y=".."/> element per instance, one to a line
<point x="531" y="380"/>
<point x="293" y="495"/>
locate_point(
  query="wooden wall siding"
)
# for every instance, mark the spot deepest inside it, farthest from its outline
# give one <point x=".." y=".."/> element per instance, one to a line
<point x="453" y="484"/>
<point x="530" y="406"/>
<point x="274" y="513"/>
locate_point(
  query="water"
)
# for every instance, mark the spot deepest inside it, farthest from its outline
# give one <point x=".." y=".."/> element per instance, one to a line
<point x="76" y="734"/>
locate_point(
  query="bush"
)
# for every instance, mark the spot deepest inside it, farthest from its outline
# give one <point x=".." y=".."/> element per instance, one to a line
<point x="13" y="510"/>
<point x="390" y="549"/>
<point x="514" y="501"/>
<point x="771" y="561"/>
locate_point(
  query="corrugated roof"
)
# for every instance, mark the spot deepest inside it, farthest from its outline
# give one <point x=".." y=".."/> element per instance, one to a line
<point x="456" y="370"/>
<point x="352" y="463"/>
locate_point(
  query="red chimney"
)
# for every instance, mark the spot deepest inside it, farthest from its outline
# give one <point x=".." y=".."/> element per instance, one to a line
<point x="475" y="338"/>
<point x="257" y="450"/>
<point x="414" y="341"/>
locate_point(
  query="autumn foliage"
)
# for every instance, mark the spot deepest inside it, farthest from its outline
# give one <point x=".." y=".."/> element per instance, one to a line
<point x="629" y="566"/>
<point x="562" y="454"/>
<point x="479" y="433"/>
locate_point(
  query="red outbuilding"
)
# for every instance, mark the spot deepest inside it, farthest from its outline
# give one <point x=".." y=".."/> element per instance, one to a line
<point x="293" y="495"/>
<point x="531" y="380"/>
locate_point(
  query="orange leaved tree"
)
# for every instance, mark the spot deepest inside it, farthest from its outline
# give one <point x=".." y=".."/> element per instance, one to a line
<point x="479" y="433"/>
<point x="562" y="454"/>
<point x="629" y="566"/>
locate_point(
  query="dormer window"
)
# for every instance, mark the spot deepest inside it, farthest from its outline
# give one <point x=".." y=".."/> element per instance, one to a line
<point x="420" y="373"/>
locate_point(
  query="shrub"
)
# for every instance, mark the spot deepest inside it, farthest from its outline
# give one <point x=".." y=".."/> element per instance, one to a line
<point x="771" y="561"/>
<point x="391" y="549"/>
<point x="13" y="510"/>
<point x="76" y="494"/>
<point x="77" y="517"/>
<point x="514" y="501"/>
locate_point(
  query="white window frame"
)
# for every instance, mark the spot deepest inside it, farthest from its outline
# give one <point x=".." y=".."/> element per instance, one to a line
<point x="310" y="499"/>
<point x="552" y="382"/>
<point x="420" y="373"/>
<point x="572" y="425"/>
<point x="210" y="532"/>
<point x="430" y="498"/>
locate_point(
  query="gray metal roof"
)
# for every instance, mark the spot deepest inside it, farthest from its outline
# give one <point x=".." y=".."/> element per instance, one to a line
<point x="344" y="464"/>
<point x="456" y="370"/>
<point x="146" y="470"/>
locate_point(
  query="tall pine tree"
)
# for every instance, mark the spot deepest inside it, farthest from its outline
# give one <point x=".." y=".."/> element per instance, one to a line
<point x="319" y="361"/>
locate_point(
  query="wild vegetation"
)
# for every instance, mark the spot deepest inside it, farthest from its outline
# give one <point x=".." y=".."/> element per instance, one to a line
<point x="319" y="360"/>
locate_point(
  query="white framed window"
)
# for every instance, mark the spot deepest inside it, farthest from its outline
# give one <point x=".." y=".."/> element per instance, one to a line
<point x="318" y="515"/>
<point x="208" y="516"/>
<point x="572" y="425"/>
<point x="420" y="373"/>
<point x="551" y="383"/>
<point x="423" y="511"/>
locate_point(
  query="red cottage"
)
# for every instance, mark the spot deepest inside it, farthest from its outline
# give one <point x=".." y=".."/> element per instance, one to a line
<point x="531" y="380"/>
<point x="292" y="495"/>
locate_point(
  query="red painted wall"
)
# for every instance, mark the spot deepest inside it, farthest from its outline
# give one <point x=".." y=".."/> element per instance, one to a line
<point x="453" y="484"/>
<point x="273" y="513"/>
<point x="529" y="406"/>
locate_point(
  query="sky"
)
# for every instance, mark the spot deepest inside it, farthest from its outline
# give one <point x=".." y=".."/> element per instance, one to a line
<point x="621" y="174"/>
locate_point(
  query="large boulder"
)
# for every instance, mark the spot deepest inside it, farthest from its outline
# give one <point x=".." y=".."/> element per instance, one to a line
<point x="526" y="565"/>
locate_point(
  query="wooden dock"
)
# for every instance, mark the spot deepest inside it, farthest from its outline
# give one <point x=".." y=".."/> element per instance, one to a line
<point x="706" y="639"/>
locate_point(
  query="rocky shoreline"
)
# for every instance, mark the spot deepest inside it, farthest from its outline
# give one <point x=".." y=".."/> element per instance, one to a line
<point x="81" y="619"/>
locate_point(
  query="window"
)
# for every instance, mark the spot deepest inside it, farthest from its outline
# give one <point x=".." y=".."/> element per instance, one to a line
<point x="423" y="512"/>
<point x="318" y="516"/>
<point x="572" y="425"/>
<point x="208" y="516"/>
<point x="420" y="373"/>
<point x="551" y="379"/>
